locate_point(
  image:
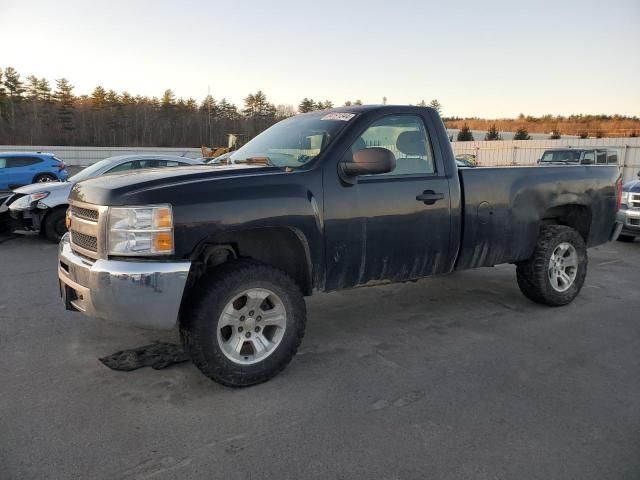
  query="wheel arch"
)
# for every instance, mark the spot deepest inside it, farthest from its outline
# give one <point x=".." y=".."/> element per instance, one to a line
<point x="574" y="215"/>
<point x="44" y="174"/>
<point x="285" y="248"/>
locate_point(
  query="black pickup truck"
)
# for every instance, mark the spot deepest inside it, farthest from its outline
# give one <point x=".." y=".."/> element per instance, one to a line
<point x="323" y="201"/>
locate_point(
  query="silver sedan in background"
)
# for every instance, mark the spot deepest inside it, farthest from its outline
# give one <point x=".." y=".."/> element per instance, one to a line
<point x="42" y="206"/>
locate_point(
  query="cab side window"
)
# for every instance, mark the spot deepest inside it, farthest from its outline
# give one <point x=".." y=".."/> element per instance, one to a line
<point x="124" y="167"/>
<point x="602" y="157"/>
<point x="589" y="158"/>
<point x="406" y="137"/>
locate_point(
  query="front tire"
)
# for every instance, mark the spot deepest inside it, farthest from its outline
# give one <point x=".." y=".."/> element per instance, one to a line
<point x="54" y="225"/>
<point x="556" y="271"/>
<point x="243" y="323"/>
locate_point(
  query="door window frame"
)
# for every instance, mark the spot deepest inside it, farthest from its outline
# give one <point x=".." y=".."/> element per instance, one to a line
<point x="434" y="145"/>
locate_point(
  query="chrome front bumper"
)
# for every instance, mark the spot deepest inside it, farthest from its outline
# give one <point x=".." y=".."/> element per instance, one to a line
<point x="630" y="220"/>
<point x="140" y="293"/>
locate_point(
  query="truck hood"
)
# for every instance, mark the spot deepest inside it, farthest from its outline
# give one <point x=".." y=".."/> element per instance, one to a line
<point x="632" y="186"/>
<point x="41" y="187"/>
<point x="118" y="188"/>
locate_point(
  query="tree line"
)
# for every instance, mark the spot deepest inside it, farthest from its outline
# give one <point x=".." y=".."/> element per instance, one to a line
<point x="582" y="126"/>
<point x="35" y="112"/>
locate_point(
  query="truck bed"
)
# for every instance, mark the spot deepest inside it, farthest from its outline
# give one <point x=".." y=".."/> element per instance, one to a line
<point x="504" y="207"/>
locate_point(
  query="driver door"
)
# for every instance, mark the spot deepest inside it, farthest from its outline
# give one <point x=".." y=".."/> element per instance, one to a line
<point x="394" y="226"/>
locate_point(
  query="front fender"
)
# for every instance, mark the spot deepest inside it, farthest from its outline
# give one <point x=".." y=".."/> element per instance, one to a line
<point x="57" y="198"/>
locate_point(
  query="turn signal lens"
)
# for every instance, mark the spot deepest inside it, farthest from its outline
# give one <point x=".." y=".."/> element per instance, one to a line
<point x="163" y="242"/>
<point x="163" y="218"/>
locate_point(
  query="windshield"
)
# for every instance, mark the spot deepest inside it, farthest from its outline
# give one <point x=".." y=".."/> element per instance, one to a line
<point x="295" y="141"/>
<point x="565" y="156"/>
<point x="90" y="171"/>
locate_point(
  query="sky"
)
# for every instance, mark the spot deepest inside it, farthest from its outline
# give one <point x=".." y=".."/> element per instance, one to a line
<point x="485" y="58"/>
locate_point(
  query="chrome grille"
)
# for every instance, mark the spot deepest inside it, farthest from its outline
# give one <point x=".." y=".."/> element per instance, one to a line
<point x="86" y="224"/>
<point x="84" y="213"/>
<point x="87" y="242"/>
<point x="634" y="200"/>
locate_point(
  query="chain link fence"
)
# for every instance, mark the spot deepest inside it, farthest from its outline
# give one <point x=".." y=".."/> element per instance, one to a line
<point x="528" y="152"/>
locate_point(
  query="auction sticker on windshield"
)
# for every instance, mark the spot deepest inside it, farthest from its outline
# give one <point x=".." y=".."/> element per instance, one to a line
<point x="344" y="117"/>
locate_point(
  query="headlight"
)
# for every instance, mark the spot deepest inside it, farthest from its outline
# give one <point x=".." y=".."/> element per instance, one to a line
<point x="140" y="230"/>
<point x="625" y="197"/>
<point x="24" y="203"/>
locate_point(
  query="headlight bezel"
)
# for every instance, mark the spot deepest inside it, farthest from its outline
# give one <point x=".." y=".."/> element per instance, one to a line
<point x="27" y="202"/>
<point x="154" y="231"/>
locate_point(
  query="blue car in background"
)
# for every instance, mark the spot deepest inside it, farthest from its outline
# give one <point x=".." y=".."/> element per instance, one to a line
<point x="24" y="168"/>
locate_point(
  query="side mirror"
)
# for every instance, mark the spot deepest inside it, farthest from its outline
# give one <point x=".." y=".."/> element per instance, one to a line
<point x="587" y="161"/>
<point x="369" y="161"/>
<point x="638" y="173"/>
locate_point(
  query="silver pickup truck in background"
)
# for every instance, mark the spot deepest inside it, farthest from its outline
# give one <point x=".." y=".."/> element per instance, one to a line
<point x="629" y="213"/>
<point x="579" y="156"/>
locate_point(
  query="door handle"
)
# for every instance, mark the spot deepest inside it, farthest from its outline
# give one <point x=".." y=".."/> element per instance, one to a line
<point x="429" y="197"/>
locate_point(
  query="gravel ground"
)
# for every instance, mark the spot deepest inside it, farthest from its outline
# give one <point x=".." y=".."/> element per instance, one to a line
<point x="456" y="377"/>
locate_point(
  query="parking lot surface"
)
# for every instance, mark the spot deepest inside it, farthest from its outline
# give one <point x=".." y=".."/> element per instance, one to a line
<point x="455" y="377"/>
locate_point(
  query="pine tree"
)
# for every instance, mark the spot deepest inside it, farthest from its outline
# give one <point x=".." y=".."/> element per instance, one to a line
<point x="521" y="134"/>
<point x="64" y="112"/>
<point x="98" y="98"/>
<point x="306" y="105"/>
<point x="435" y="104"/>
<point x="227" y="110"/>
<point x="44" y="90"/>
<point x="128" y="99"/>
<point x="422" y="103"/>
<point x="208" y="105"/>
<point x="256" y="105"/>
<point x="112" y="98"/>
<point x="168" y="99"/>
<point x="14" y="85"/>
<point x="32" y="90"/>
<point x="465" y="134"/>
<point x="326" y="105"/>
<point x="492" y="133"/>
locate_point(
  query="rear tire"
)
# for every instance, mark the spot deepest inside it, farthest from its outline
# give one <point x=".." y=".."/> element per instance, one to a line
<point x="54" y="225"/>
<point x="44" y="178"/>
<point x="549" y="277"/>
<point x="626" y="238"/>
<point x="222" y="328"/>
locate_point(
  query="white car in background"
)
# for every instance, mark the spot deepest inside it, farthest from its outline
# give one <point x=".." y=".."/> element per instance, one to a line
<point x="42" y="206"/>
